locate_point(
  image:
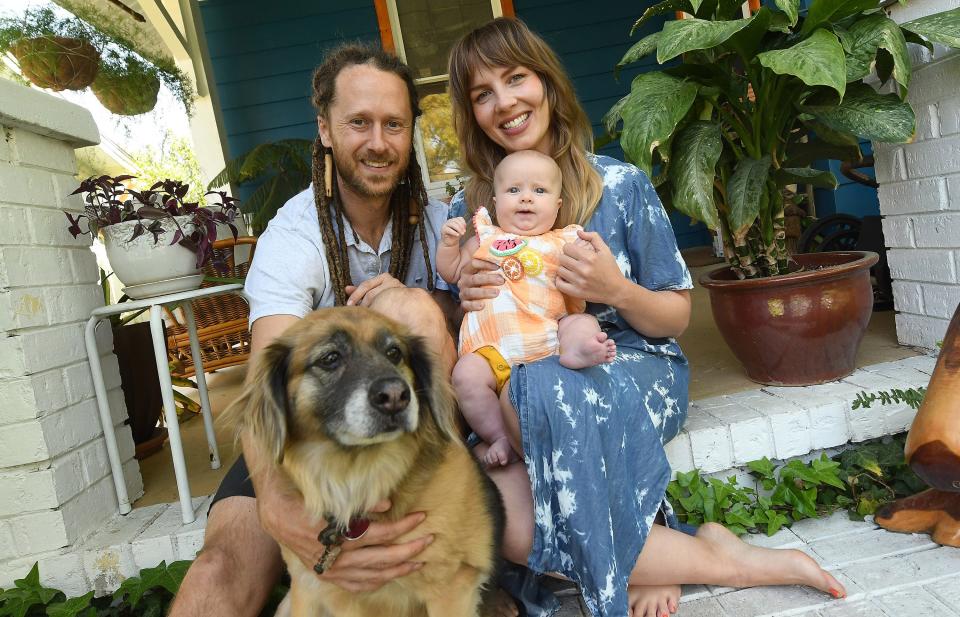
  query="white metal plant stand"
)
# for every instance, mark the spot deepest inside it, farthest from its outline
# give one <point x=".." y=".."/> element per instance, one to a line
<point x="155" y="306"/>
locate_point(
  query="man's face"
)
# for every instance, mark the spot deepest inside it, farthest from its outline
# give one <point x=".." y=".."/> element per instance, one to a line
<point x="369" y="126"/>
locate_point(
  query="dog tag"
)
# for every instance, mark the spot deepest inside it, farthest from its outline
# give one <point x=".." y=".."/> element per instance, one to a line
<point x="358" y="527"/>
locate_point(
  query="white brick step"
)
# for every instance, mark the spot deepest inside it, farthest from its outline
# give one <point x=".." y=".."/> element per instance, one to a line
<point x="728" y="431"/>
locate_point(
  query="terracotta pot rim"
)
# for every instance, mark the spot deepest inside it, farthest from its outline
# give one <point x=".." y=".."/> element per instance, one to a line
<point x="862" y="259"/>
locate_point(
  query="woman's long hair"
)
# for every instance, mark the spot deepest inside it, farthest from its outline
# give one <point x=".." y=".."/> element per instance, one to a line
<point x="508" y="42"/>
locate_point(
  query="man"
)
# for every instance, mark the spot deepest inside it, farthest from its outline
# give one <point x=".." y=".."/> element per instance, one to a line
<point x="319" y="251"/>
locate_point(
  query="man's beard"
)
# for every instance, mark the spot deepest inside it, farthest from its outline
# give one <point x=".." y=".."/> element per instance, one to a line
<point x="348" y="168"/>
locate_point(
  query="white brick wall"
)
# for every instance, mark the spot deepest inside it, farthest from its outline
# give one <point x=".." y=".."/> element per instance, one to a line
<point x="920" y="193"/>
<point x="55" y="485"/>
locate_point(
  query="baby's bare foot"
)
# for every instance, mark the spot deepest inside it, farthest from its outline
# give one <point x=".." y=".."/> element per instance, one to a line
<point x="598" y="349"/>
<point x="499" y="453"/>
<point x="653" y="600"/>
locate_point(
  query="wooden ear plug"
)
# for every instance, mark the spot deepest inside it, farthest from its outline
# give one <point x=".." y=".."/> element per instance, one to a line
<point x="328" y="174"/>
<point x="933" y="452"/>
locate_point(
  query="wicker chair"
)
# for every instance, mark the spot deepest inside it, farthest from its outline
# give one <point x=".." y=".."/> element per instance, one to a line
<point x="221" y="320"/>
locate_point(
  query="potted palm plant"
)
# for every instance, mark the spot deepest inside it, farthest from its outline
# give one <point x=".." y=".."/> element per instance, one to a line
<point x="59" y="53"/>
<point x="278" y="171"/>
<point x="739" y="112"/>
<point x="155" y="240"/>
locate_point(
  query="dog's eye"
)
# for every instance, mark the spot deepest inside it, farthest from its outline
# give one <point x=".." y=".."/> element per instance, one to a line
<point x="394" y="354"/>
<point x="329" y="360"/>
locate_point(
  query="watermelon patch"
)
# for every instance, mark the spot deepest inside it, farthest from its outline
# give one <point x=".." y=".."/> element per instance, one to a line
<point x="501" y="247"/>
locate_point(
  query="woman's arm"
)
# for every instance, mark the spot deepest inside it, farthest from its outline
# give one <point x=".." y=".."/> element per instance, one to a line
<point x="592" y="273"/>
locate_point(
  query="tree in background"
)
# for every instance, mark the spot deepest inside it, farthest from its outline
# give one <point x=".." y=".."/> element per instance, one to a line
<point x="173" y="158"/>
<point x="439" y="137"/>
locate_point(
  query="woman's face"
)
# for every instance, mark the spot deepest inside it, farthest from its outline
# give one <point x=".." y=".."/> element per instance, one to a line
<point x="511" y="107"/>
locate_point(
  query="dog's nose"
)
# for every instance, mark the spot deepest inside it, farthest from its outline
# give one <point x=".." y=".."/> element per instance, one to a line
<point x="389" y="395"/>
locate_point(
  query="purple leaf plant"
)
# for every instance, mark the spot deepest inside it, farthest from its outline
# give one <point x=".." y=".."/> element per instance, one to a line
<point x="108" y="201"/>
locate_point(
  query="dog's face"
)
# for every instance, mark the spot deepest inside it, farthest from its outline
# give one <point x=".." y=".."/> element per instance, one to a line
<point x="346" y="375"/>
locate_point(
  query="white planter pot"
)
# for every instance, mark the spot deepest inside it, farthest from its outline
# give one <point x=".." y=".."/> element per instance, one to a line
<point x="143" y="261"/>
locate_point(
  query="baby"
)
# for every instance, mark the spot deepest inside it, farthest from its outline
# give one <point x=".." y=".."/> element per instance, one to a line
<point x="530" y="318"/>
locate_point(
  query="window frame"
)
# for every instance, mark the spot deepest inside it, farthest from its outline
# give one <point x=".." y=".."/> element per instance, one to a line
<point x="391" y="38"/>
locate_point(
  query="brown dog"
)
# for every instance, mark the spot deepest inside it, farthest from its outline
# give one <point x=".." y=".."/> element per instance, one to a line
<point x="354" y="410"/>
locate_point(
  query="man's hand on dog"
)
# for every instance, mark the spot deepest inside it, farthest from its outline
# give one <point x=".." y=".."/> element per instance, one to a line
<point x="365" y="564"/>
<point x="364" y="293"/>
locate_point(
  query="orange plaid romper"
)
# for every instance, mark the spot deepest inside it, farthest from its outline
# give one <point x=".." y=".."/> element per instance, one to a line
<point x="521" y="322"/>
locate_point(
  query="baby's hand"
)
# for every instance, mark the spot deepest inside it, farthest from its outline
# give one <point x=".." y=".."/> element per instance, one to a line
<point x="583" y="243"/>
<point x="452" y="231"/>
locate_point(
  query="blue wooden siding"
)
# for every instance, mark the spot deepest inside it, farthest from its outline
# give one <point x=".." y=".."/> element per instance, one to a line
<point x="263" y="54"/>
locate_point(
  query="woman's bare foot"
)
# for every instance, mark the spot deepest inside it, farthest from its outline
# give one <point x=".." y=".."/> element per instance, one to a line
<point x="755" y="566"/>
<point x="499" y="453"/>
<point x="653" y="600"/>
<point x="504" y="605"/>
<point x="598" y="349"/>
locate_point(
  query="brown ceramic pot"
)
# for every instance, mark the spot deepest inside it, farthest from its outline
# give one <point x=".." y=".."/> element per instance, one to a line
<point x="796" y="329"/>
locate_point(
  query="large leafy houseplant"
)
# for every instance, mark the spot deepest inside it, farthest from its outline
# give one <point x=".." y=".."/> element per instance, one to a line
<point x="745" y="105"/>
<point x="279" y="170"/>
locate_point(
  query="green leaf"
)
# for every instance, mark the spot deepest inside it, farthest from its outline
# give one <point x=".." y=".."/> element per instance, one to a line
<point x="745" y="192"/>
<point x="763" y="467"/>
<point x="831" y="136"/>
<point x="667" y="6"/>
<point x="775" y="521"/>
<point x="74" y="607"/>
<point x="657" y="103"/>
<point x="916" y="39"/>
<point x="685" y="35"/>
<point x="696" y="150"/>
<point x="614" y="115"/>
<point x="823" y="12"/>
<point x="873" y="116"/>
<point x="642" y="48"/>
<point x="868" y="35"/>
<point x="805" y="175"/>
<point x="791" y="8"/>
<point x="943" y="28"/>
<point x="817" y="61"/>
<point x="801" y="154"/>
<point x="167" y="577"/>
<point x="747" y="42"/>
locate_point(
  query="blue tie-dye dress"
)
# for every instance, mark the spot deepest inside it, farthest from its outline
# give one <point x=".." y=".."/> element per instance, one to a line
<point x="593" y="438"/>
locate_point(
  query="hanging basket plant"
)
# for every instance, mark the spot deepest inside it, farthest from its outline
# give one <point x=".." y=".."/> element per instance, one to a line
<point x="127" y="86"/>
<point x="59" y="53"/>
<point x="57" y="62"/>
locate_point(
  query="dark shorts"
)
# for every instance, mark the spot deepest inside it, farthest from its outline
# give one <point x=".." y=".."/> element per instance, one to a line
<point x="235" y="484"/>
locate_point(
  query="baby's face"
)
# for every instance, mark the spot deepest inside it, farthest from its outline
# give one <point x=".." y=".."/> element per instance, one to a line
<point x="527" y="195"/>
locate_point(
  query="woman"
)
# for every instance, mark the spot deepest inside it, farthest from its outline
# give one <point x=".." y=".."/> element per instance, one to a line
<point x="584" y="501"/>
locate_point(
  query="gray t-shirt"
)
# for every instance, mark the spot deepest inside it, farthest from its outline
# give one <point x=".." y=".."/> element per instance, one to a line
<point x="290" y="276"/>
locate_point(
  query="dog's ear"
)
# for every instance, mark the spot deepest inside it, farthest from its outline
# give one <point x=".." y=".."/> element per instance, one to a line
<point x="433" y="389"/>
<point x="266" y="401"/>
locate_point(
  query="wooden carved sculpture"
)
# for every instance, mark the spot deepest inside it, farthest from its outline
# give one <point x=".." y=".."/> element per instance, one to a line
<point x="933" y="451"/>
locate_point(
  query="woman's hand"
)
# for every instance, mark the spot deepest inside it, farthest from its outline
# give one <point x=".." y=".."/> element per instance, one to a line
<point x="478" y="282"/>
<point x="588" y="269"/>
<point x="365" y="564"/>
<point x="364" y="293"/>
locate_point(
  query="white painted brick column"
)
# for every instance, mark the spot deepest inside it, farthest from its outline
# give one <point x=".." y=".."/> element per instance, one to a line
<point x="55" y="484"/>
<point x="920" y="193"/>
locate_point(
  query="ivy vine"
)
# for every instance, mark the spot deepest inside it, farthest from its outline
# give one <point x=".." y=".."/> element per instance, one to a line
<point x="859" y="480"/>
